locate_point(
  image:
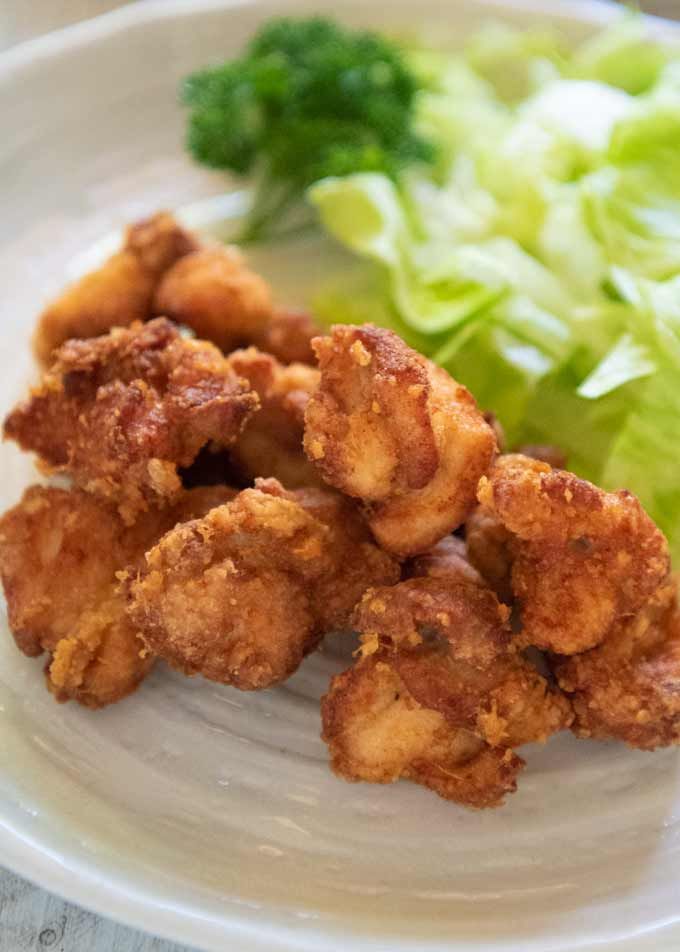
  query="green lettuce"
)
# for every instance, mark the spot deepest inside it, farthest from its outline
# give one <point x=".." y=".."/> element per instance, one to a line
<point x="538" y="259"/>
<point x="649" y="439"/>
<point x="622" y="56"/>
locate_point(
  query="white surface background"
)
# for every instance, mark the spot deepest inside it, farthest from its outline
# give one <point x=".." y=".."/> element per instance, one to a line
<point x="30" y="918"/>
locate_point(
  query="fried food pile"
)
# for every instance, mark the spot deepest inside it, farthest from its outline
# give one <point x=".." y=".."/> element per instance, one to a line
<point x="241" y="485"/>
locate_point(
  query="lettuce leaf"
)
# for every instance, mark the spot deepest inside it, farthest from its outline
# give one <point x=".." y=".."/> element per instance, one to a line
<point x="648" y="441"/>
<point x="623" y="56"/>
<point x="539" y="262"/>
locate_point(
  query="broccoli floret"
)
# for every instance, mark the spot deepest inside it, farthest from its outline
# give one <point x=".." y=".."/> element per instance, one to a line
<point x="307" y="99"/>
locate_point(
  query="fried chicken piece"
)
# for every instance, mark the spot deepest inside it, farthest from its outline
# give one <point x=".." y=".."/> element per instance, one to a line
<point x="271" y="441"/>
<point x="288" y="336"/>
<point x="489" y="543"/>
<point x="60" y="555"/>
<point x="439" y="694"/>
<point x="120" y="291"/>
<point x="227" y="596"/>
<point x="448" y="638"/>
<point x="243" y="594"/>
<point x="582" y="559"/>
<point x="628" y="688"/>
<point x="122" y="412"/>
<point x="378" y="732"/>
<point x="490" y="550"/>
<point x="213" y="292"/>
<point x="101" y="660"/>
<point x="355" y="562"/>
<point x="390" y="428"/>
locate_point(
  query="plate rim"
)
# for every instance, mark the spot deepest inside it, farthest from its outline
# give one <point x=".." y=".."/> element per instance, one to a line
<point x="73" y="35"/>
<point x="77" y="881"/>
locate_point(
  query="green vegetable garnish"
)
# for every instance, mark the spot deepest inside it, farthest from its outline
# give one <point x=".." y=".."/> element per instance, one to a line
<point x="514" y="211"/>
<point x="539" y="260"/>
<point x="308" y="99"/>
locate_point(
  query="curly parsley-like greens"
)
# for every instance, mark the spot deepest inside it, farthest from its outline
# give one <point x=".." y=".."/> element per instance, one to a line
<point x="308" y="99"/>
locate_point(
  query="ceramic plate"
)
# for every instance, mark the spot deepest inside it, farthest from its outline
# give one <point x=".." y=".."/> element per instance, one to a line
<point x="207" y="815"/>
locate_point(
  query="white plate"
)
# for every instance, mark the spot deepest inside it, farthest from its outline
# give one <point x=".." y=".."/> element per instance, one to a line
<point x="207" y="815"/>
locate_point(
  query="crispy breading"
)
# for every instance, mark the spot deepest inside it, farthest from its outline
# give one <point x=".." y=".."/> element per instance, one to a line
<point x="582" y="559"/>
<point x="215" y="293"/>
<point x="226" y="596"/>
<point x="449" y="640"/>
<point x="356" y="563"/>
<point x="288" y="336"/>
<point x="60" y="555"/>
<point x="390" y="428"/>
<point x="628" y="688"/>
<point x="101" y="660"/>
<point x="243" y="594"/>
<point x="271" y="441"/>
<point x="490" y="550"/>
<point x="439" y="693"/>
<point x="120" y="413"/>
<point x="120" y="291"/>
<point x="489" y="543"/>
<point x="378" y="732"/>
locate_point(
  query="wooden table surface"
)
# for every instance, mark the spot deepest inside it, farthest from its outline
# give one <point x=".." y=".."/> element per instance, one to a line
<point x="32" y="920"/>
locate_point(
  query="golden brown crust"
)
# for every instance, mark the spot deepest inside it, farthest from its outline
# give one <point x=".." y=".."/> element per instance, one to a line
<point x="243" y="594"/>
<point x="227" y="596"/>
<point x="583" y="559"/>
<point x="158" y="242"/>
<point x="60" y="555"/>
<point x="120" y="413"/>
<point x="628" y="688"/>
<point x="355" y="563"/>
<point x="439" y="694"/>
<point x="119" y="292"/>
<point x="214" y="293"/>
<point x="368" y="427"/>
<point x="101" y="660"/>
<point x="466" y="616"/>
<point x="376" y="731"/>
<point x="490" y="550"/>
<point x="52" y="528"/>
<point x="393" y="430"/>
<point x="288" y="336"/>
<point x="489" y="543"/>
<point x="270" y="444"/>
<point x="449" y="640"/>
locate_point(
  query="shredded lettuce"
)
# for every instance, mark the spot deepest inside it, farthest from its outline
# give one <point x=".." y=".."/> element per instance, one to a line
<point x="648" y="441"/>
<point x="622" y="56"/>
<point x="627" y="360"/>
<point x="538" y="259"/>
